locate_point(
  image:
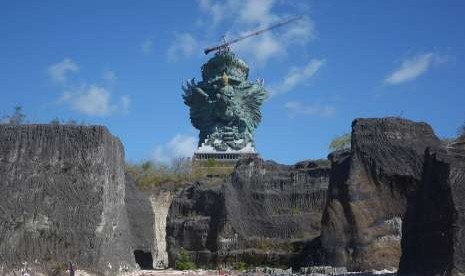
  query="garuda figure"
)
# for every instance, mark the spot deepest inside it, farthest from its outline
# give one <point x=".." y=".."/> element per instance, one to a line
<point x="225" y="106"/>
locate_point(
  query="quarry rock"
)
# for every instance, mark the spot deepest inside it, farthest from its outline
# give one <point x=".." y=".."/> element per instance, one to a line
<point x="263" y="213"/>
<point x="141" y="224"/>
<point x="161" y="202"/>
<point x="62" y="199"/>
<point x="434" y="227"/>
<point x="368" y="192"/>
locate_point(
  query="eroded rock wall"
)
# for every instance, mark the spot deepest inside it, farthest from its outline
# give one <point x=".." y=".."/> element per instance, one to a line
<point x="161" y="202"/>
<point x="62" y="198"/>
<point x="262" y="214"/>
<point x="434" y="228"/>
<point x="368" y="192"/>
<point x="142" y="222"/>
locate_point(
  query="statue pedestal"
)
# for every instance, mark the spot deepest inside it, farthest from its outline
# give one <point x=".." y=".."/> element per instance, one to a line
<point x="207" y="152"/>
<point x="209" y="161"/>
<point x="222" y="156"/>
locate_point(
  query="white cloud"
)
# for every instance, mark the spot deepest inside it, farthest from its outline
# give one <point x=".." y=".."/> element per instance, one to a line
<point x="109" y="76"/>
<point x="217" y="11"/>
<point x="256" y="11"/>
<point x="412" y="68"/>
<point x="94" y="100"/>
<point x="147" y="47"/>
<point x="295" y="108"/>
<point x="246" y="16"/>
<point x="184" y="45"/>
<point x="125" y="103"/>
<point x="91" y="100"/>
<point x="297" y="76"/>
<point x="179" y="146"/>
<point x="260" y="49"/>
<point x="58" y="72"/>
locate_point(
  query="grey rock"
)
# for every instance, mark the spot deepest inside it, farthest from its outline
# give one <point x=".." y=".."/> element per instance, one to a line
<point x="262" y="214"/>
<point x="368" y="192"/>
<point x="62" y="199"/>
<point x="141" y="223"/>
<point x="434" y="229"/>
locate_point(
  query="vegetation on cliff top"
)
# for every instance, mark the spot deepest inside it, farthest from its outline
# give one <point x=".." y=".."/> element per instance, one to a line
<point x="149" y="174"/>
<point x="340" y="142"/>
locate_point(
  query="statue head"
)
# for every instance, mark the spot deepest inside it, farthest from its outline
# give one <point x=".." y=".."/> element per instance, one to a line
<point x="225" y="63"/>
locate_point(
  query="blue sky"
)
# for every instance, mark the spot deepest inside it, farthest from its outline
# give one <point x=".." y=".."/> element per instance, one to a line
<point x="122" y="64"/>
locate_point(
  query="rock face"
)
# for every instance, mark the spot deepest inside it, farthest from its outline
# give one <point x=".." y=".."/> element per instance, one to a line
<point x="142" y="224"/>
<point x="368" y="192"/>
<point x="434" y="228"/>
<point x="62" y="199"/>
<point x="262" y="214"/>
<point x="161" y="202"/>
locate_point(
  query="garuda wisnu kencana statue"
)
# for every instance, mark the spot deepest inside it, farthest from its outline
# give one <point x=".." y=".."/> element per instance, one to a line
<point x="225" y="106"/>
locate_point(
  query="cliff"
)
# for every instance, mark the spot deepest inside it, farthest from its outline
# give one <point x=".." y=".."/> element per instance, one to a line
<point x="263" y="213"/>
<point x="142" y="224"/>
<point x="62" y="199"/>
<point x="434" y="228"/>
<point x="369" y="190"/>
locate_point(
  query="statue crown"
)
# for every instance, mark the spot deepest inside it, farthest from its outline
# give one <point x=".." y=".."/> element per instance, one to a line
<point x="225" y="63"/>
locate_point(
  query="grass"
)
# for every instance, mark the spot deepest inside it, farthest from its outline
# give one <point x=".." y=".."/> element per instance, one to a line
<point x="180" y="173"/>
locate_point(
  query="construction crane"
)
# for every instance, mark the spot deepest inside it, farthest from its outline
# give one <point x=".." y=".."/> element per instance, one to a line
<point x="225" y="45"/>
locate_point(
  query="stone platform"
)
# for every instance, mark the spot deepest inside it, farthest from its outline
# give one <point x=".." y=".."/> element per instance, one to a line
<point x="222" y="156"/>
<point x="207" y="160"/>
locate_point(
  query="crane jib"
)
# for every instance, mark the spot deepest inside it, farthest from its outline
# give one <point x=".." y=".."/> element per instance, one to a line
<point x="226" y="44"/>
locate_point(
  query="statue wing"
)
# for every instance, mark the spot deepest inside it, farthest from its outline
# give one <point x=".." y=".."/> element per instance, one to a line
<point x="250" y="100"/>
<point x="199" y="104"/>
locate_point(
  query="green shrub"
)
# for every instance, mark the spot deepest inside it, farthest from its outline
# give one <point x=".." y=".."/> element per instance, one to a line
<point x="240" y="266"/>
<point x="340" y="142"/>
<point x="184" y="261"/>
<point x="296" y="211"/>
<point x="16" y="118"/>
<point x="149" y="174"/>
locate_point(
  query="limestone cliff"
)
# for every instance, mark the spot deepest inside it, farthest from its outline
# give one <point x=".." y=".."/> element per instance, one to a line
<point x="434" y="228"/>
<point x="62" y="199"/>
<point x="161" y="202"/>
<point x="368" y="192"/>
<point x="142" y="224"/>
<point x="262" y="214"/>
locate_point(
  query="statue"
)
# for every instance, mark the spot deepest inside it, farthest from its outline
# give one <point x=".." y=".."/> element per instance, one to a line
<point x="225" y="106"/>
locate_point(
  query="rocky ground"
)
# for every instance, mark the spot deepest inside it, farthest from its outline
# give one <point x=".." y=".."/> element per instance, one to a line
<point x="256" y="271"/>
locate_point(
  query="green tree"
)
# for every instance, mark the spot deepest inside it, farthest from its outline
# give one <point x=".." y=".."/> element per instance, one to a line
<point x="55" y="122"/>
<point x="17" y="118"/>
<point x="461" y="131"/>
<point x="340" y="142"/>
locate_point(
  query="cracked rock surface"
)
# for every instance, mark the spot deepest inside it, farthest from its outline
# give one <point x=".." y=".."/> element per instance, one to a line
<point x="369" y="189"/>
<point x="263" y="213"/>
<point x="62" y="198"/>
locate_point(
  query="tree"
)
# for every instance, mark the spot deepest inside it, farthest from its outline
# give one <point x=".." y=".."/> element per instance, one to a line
<point x="340" y="142"/>
<point x="17" y="118"/>
<point x="461" y="131"/>
<point x="55" y="122"/>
